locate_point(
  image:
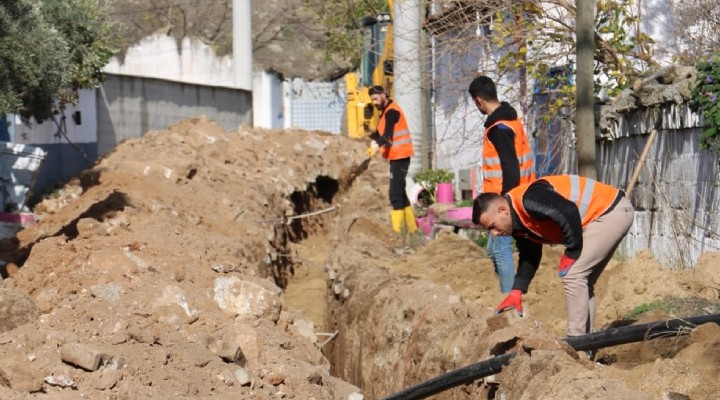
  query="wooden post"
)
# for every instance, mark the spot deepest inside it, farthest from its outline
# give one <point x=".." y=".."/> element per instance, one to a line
<point x="640" y="163"/>
<point x="585" y="107"/>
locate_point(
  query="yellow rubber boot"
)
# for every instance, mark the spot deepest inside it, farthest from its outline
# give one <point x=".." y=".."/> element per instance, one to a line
<point x="410" y="221"/>
<point x="397" y="217"/>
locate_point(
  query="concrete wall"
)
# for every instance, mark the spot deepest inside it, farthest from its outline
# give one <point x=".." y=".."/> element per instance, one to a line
<point x="277" y="103"/>
<point x="677" y="197"/>
<point x="129" y="106"/>
<point x="161" y="56"/>
<point x="65" y="156"/>
<point x="268" y="107"/>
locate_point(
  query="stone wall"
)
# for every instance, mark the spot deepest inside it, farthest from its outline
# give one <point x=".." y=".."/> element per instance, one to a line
<point x="677" y="195"/>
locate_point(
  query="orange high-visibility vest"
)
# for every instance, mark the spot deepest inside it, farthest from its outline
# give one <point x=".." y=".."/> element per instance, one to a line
<point x="402" y="146"/>
<point x="592" y="198"/>
<point x="492" y="171"/>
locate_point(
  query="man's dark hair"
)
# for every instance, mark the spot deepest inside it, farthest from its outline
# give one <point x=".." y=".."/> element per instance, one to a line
<point x="481" y="205"/>
<point x="376" y="90"/>
<point x="484" y="88"/>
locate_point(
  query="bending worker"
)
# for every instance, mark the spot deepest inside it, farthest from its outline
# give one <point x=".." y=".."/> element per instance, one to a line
<point x="588" y="217"/>
<point x="395" y="144"/>
<point x="507" y="161"/>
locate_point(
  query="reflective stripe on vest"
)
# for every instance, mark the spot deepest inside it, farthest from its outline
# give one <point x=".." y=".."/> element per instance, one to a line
<point x="402" y="146"/>
<point x="491" y="169"/>
<point x="592" y="198"/>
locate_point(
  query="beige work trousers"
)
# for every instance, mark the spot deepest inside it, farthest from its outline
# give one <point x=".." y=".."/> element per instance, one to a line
<point x="600" y="239"/>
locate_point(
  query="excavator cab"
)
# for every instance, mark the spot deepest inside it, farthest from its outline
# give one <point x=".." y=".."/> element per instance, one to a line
<point x="376" y="68"/>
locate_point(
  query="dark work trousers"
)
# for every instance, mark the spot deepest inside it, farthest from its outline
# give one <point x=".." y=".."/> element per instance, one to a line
<point x="398" y="173"/>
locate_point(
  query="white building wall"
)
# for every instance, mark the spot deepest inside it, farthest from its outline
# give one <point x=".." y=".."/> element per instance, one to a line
<point x="458" y="125"/>
<point x="268" y="107"/>
<point x="159" y="56"/>
<point x="33" y="133"/>
<point x="657" y="22"/>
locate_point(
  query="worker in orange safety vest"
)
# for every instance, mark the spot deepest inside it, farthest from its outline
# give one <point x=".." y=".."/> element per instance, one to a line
<point x="588" y="217"/>
<point x="507" y="161"/>
<point x="395" y="144"/>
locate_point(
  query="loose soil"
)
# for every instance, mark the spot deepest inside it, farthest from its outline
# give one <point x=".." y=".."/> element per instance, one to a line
<point x="260" y="264"/>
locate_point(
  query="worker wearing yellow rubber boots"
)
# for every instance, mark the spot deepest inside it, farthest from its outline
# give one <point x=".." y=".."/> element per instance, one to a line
<point x="395" y="144"/>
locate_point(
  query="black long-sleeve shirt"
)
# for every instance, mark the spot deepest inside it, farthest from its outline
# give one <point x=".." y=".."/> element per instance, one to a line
<point x="542" y="202"/>
<point x="391" y="117"/>
<point x="503" y="138"/>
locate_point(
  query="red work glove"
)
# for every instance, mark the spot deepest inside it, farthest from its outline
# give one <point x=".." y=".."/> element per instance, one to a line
<point x="513" y="300"/>
<point x="565" y="264"/>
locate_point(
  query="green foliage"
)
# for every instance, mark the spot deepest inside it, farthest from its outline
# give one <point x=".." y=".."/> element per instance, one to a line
<point x="48" y="50"/>
<point x="482" y="238"/>
<point x="676" y="306"/>
<point x="644" y="308"/>
<point x="32" y="58"/>
<point x="704" y="98"/>
<point x="87" y="34"/>
<point x="529" y="35"/>
<point x="429" y="179"/>
<point x="464" y="203"/>
<point x="342" y="20"/>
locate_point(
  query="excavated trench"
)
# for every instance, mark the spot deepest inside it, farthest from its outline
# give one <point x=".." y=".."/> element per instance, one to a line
<point x="375" y="322"/>
<point x="312" y="215"/>
<point x="398" y="320"/>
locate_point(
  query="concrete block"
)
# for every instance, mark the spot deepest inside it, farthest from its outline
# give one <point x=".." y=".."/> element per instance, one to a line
<point x="503" y="320"/>
<point x="668" y="395"/>
<point x="242" y="377"/>
<point x="231" y="353"/>
<point x="81" y="356"/>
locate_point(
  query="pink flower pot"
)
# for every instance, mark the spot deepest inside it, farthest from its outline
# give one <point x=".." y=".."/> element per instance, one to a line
<point x="460" y="213"/>
<point x="444" y="193"/>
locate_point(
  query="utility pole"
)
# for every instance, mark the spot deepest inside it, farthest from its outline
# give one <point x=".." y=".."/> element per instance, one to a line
<point x="242" y="44"/>
<point x="585" y="48"/>
<point x="407" y="70"/>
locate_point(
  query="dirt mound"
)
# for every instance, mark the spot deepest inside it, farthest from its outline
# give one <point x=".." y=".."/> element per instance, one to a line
<point x="260" y="264"/>
<point x="165" y="263"/>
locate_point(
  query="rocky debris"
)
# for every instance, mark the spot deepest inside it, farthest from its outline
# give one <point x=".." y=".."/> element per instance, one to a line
<point x="247" y="298"/>
<point x="16" y="309"/>
<point x="654" y="88"/>
<point x="62" y="381"/>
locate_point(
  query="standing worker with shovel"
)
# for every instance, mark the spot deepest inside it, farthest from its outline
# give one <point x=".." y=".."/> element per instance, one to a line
<point x="395" y="144"/>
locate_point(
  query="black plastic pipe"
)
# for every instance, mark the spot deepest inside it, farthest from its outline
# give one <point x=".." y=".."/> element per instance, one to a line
<point x="591" y="341"/>
<point x="457" y="377"/>
<point x="637" y="333"/>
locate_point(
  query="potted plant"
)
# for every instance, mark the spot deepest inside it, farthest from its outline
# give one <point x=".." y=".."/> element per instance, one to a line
<point x="429" y="180"/>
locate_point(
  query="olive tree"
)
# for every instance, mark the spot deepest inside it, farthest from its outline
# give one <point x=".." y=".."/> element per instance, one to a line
<point x="48" y="50"/>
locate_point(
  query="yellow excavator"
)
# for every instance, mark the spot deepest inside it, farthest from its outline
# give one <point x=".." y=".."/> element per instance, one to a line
<point x="376" y="68"/>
